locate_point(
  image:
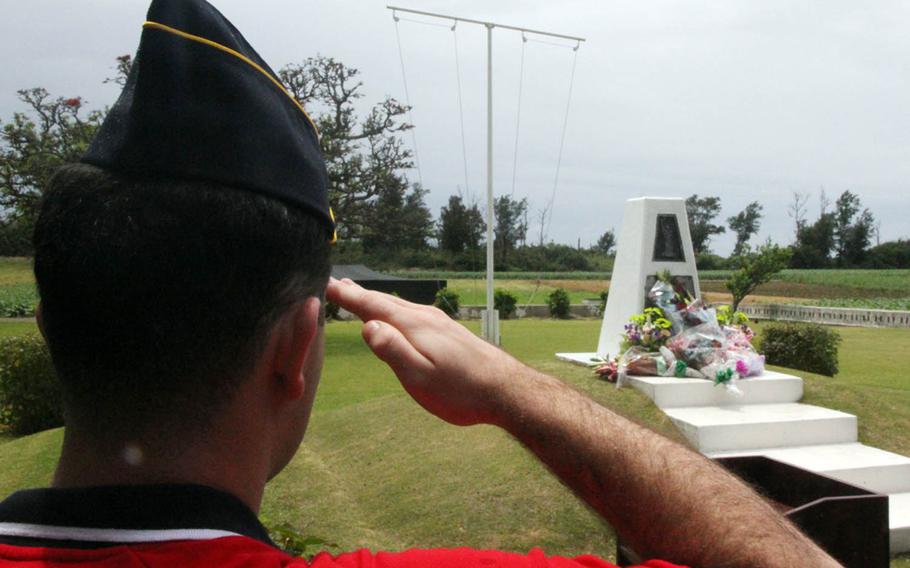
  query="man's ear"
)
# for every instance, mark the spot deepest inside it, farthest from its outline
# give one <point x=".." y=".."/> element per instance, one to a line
<point x="293" y="339"/>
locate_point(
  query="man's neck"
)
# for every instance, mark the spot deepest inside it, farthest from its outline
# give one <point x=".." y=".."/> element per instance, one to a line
<point x="217" y="463"/>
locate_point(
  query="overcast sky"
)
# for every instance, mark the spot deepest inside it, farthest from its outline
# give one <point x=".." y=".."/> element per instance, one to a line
<point x="743" y="100"/>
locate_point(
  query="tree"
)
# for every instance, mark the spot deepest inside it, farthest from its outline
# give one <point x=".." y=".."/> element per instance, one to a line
<point x="460" y="228"/>
<point x="852" y="234"/>
<point x="814" y="245"/>
<point x="745" y="224"/>
<point x="797" y="211"/>
<point x="121" y="70"/>
<point x="397" y="221"/>
<point x="892" y="254"/>
<point x="542" y="224"/>
<point x="701" y="211"/>
<point x="755" y="269"/>
<point x="365" y="156"/>
<point x="606" y="243"/>
<point x="510" y="227"/>
<point x="33" y="145"/>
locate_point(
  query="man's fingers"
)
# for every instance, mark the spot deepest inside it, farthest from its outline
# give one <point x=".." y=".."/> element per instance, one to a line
<point x="395" y="350"/>
<point x="369" y="305"/>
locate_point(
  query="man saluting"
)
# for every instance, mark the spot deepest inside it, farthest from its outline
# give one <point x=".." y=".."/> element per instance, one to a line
<point x="182" y="269"/>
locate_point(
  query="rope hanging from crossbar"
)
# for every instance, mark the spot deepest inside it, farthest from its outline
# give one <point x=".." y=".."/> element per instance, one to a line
<point x="464" y="146"/>
<point x="562" y="138"/>
<point x="407" y="99"/>
<point x="521" y="76"/>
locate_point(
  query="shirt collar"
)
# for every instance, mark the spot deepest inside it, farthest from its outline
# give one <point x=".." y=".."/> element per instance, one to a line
<point x="128" y="513"/>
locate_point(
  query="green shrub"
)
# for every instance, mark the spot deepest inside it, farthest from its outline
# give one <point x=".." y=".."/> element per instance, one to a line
<point x="293" y="542"/>
<point x="602" y="308"/>
<point x="805" y="346"/>
<point x="505" y="302"/>
<point x="29" y="391"/>
<point x="558" y="302"/>
<point x="709" y="261"/>
<point x="18" y="300"/>
<point x="447" y="301"/>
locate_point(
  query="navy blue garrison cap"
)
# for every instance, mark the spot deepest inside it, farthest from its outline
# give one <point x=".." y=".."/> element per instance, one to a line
<point x="199" y="103"/>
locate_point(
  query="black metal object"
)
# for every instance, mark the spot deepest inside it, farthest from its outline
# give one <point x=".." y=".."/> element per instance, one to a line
<point x="417" y="291"/>
<point x="849" y="522"/>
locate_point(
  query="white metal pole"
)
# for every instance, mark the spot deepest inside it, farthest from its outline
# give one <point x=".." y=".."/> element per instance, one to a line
<point x="490" y="331"/>
<point x="491" y="323"/>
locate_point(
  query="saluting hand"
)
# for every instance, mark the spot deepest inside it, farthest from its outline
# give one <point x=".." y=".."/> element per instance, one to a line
<point x="447" y="369"/>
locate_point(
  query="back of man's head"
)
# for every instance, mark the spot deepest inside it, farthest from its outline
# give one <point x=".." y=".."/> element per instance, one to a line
<point x="157" y="294"/>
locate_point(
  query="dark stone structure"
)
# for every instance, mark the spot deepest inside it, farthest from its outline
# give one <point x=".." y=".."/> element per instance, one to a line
<point x="667" y="240"/>
<point x="417" y="291"/>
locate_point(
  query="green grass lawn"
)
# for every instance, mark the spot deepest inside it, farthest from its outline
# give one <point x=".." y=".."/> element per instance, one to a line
<point x="17" y="287"/>
<point x="473" y="292"/>
<point x="15" y="270"/>
<point x="376" y="471"/>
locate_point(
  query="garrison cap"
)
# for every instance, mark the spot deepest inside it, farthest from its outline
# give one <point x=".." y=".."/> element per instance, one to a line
<point x="199" y="103"/>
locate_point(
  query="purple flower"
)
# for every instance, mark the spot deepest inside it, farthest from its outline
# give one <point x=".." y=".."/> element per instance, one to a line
<point x="742" y="368"/>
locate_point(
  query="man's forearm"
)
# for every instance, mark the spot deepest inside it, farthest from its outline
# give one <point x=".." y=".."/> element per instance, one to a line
<point x="664" y="499"/>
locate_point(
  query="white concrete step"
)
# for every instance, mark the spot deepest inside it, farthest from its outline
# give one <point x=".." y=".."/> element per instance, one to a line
<point x="899" y="522"/>
<point x="857" y="464"/>
<point x="584" y="359"/>
<point x="769" y="388"/>
<point x="714" y="429"/>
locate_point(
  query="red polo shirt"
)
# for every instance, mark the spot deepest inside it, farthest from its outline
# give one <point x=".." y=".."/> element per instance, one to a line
<point x="178" y="525"/>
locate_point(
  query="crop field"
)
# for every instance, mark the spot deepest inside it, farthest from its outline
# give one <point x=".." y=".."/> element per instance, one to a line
<point x="867" y="303"/>
<point x="874" y="289"/>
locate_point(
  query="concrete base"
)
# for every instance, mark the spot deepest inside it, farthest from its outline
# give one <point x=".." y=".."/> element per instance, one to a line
<point x="583" y="359"/>
<point x="766" y="420"/>
<point x="856" y="464"/>
<point x="899" y="522"/>
<point x="746" y="427"/>
<point x="670" y="392"/>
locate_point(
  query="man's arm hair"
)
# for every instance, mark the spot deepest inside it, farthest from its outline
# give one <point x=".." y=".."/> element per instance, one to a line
<point x="666" y="500"/>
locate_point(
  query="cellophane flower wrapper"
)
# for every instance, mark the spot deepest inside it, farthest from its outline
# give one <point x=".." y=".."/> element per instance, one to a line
<point x="695" y="345"/>
<point x="664" y="297"/>
<point x="723" y="373"/>
<point x="695" y="314"/>
<point x="609" y="370"/>
<point x="698" y="345"/>
<point x="636" y="361"/>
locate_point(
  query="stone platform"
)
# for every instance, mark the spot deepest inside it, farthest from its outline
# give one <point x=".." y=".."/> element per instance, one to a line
<point x="768" y="420"/>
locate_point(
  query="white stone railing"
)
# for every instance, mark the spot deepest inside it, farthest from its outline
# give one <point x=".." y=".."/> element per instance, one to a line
<point x="780" y="312"/>
<point x="831" y="316"/>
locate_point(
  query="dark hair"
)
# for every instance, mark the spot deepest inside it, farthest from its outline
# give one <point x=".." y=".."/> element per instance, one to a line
<point x="157" y="294"/>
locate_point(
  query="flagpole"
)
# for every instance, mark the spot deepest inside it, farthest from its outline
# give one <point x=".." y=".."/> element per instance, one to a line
<point x="491" y="321"/>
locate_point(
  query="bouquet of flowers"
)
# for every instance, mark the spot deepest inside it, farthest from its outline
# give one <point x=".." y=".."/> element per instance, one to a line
<point x="682" y="337"/>
<point x="649" y="329"/>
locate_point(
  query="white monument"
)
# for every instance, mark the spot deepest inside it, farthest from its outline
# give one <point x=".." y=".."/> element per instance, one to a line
<point x="654" y="237"/>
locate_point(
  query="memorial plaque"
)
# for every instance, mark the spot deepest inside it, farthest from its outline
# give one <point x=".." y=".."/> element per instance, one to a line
<point x="667" y="240"/>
